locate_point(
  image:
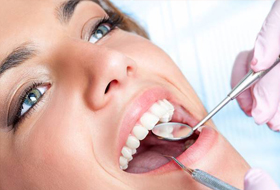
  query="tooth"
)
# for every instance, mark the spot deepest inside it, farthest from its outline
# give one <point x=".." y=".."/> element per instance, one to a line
<point x="170" y="112"/>
<point x="134" y="151"/>
<point x="164" y="105"/>
<point x="123" y="161"/>
<point x="126" y="152"/>
<point x="165" y="134"/>
<point x="131" y="158"/>
<point x="157" y="110"/>
<point x="165" y="118"/>
<point x="140" y="132"/>
<point x="166" y="129"/>
<point x="170" y="136"/>
<point x="149" y="120"/>
<point x="171" y="107"/>
<point x="132" y="142"/>
<point x="124" y="167"/>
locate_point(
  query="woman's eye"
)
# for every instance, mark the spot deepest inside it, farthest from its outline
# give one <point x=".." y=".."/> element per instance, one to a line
<point x="99" y="33"/>
<point x="32" y="98"/>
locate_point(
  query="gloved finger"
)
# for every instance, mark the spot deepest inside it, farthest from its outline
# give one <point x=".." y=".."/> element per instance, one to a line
<point x="240" y="69"/>
<point x="266" y="96"/>
<point x="274" y="123"/>
<point x="267" y="45"/>
<point x="256" y="179"/>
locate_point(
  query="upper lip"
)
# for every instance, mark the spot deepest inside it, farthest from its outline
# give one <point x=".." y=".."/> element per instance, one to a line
<point x="138" y="106"/>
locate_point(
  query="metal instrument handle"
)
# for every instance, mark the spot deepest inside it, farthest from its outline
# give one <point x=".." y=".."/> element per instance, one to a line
<point x="211" y="181"/>
<point x="244" y="84"/>
<point x="249" y="80"/>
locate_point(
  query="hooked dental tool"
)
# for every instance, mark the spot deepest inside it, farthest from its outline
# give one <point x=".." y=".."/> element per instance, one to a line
<point x="203" y="177"/>
<point x="177" y="131"/>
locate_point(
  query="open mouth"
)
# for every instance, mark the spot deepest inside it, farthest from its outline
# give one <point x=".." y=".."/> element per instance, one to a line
<point x="143" y="152"/>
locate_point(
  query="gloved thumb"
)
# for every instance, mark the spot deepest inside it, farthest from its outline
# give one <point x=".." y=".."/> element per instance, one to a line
<point x="256" y="179"/>
<point x="267" y="45"/>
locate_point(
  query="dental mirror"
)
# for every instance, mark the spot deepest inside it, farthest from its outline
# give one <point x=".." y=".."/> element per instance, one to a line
<point x="172" y="131"/>
<point x="177" y="131"/>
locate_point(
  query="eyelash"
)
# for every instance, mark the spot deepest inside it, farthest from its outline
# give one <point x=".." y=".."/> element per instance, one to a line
<point x="18" y="118"/>
<point x="114" y="21"/>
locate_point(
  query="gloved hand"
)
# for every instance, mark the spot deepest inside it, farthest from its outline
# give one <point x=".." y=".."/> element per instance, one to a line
<point x="262" y="101"/>
<point x="256" y="179"/>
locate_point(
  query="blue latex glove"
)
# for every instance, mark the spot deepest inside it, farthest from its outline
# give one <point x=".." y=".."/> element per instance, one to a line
<point x="256" y="179"/>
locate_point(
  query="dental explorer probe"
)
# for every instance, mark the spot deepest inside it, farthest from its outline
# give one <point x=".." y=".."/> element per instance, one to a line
<point x="251" y="78"/>
<point x="204" y="178"/>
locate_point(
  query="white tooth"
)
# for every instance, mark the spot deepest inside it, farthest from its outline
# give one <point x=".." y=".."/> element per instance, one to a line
<point x="170" y="136"/>
<point x="132" y="142"/>
<point x="171" y="107"/>
<point x="124" y="167"/>
<point x="134" y="151"/>
<point x="126" y="152"/>
<point x="149" y="120"/>
<point x="164" y="105"/>
<point x="170" y="112"/>
<point x="157" y="110"/>
<point x="140" y="132"/>
<point x="131" y="158"/>
<point x="166" y="129"/>
<point x="165" y="134"/>
<point x="165" y="118"/>
<point x="123" y="161"/>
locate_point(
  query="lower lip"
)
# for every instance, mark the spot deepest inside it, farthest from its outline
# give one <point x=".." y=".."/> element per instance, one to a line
<point x="204" y="143"/>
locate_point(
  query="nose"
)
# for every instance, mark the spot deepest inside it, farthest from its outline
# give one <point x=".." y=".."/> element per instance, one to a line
<point x="109" y="74"/>
<point x="104" y="72"/>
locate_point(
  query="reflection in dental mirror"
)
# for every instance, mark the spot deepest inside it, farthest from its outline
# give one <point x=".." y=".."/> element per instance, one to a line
<point x="172" y="131"/>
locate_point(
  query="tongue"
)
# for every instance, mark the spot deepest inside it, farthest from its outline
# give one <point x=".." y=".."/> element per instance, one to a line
<point x="152" y="158"/>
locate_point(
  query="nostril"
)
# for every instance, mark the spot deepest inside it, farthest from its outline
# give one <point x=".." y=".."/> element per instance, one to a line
<point x="107" y="88"/>
<point x="129" y="71"/>
<point x="112" y="83"/>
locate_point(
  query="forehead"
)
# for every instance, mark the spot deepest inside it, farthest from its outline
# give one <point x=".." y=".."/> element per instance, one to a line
<point x="19" y="18"/>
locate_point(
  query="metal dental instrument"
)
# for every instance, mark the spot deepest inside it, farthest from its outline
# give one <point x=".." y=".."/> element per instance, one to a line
<point x="177" y="131"/>
<point x="204" y="178"/>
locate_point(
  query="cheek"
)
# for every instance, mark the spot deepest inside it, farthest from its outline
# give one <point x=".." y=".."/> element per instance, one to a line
<point x="152" y="59"/>
<point x="55" y="156"/>
<point x="56" y="151"/>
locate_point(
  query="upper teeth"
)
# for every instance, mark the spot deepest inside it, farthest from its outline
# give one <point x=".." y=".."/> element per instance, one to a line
<point x="161" y="111"/>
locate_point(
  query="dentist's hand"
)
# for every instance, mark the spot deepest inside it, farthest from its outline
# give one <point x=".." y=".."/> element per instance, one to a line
<point x="262" y="101"/>
<point x="256" y="179"/>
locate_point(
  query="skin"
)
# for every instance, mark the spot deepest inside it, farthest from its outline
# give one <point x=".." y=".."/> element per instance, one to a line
<point x="70" y="141"/>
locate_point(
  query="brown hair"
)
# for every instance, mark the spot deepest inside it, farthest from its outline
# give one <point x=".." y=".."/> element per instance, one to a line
<point x="128" y="24"/>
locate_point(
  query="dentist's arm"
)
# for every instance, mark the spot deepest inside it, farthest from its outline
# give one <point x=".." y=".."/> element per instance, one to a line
<point x="256" y="179"/>
<point x="262" y="101"/>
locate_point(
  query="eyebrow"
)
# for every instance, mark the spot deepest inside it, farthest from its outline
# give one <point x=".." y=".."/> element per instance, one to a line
<point x="19" y="55"/>
<point x="26" y="51"/>
<point x="66" y="9"/>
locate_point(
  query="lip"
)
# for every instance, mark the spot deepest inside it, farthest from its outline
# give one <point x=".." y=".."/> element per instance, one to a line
<point x="205" y="142"/>
<point x="139" y="105"/>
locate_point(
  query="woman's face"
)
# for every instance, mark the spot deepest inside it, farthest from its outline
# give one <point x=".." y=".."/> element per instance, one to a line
<point x="70" y="99"/>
